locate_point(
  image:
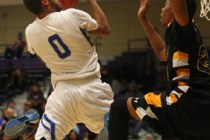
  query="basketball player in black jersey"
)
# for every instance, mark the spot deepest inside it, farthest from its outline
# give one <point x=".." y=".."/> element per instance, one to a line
<point x="184" y="112"/>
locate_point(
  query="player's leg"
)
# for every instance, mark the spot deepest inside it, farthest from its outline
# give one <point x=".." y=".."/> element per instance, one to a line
<point x="23" y="126"/>
<point x="118" y="120"/>
<point x="104" y="134"/>
<point x="123" y="109"/>
<point x="59" y="116"/>
<point x="95" y="104"/>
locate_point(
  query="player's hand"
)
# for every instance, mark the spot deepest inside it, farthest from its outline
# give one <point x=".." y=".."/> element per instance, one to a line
<point x="144" y="5"/>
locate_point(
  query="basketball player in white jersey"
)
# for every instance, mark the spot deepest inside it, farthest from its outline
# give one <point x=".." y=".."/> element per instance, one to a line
<point x="59" y="38"/>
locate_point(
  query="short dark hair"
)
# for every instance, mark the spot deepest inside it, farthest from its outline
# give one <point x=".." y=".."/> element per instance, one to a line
<point x="33" y="6"/>
<point x="191" y="8"/>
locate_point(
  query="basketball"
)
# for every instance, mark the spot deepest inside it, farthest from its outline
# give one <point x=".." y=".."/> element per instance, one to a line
<point x="69" y="3"/>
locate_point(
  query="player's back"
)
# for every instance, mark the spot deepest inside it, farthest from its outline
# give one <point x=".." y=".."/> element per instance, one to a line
<point x="60" y="41"/>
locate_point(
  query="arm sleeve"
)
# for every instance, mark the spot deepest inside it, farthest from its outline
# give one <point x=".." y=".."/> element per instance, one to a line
<point x="186" y="33"/>
<point x="85" y="20"/>
<point x="29" y="45"/>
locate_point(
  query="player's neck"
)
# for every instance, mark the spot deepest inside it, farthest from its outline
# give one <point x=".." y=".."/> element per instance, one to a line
<point x="45" y="13"/>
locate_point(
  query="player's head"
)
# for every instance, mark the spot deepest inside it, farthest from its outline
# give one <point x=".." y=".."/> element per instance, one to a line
<point x="39" y="6"/>
<point x="167" y="14"/>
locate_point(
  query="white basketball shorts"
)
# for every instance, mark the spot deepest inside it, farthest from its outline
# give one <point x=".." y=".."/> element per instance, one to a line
<point x="72" y="102"/>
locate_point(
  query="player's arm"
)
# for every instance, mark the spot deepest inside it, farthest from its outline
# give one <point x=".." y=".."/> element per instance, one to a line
<point x="100" y="17"/>
<point x="156" y="41"/>
<point x="179" y="9"/>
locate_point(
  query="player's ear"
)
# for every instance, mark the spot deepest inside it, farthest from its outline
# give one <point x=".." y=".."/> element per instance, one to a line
<point x="45" y="2"/>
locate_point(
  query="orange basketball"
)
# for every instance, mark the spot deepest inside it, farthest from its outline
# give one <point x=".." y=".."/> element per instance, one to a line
<point x="69" y="3"/>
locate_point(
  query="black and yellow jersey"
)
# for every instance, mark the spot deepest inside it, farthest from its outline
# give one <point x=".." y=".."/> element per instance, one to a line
<point x="184" y="111"/>
<point x="188" y="62"/>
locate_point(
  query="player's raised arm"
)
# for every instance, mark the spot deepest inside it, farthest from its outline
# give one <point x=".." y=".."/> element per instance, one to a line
<point x="157" y="43"/>
<point x="100" y="17"/>
<point x="179" y="9"/>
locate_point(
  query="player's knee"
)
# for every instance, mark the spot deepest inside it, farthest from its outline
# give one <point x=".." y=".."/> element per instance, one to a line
<point x="118" y="113"/>
<point x="132" y="109"/>
<point x="119" y="107"/>
<point x="118" y="118"/>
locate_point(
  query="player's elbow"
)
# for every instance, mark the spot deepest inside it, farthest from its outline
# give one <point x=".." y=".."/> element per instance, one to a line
<point x="101" y="31"/>
<point x="105" y="30"/>
<point x="162" y="58"/>
<point x="161" y="55"/>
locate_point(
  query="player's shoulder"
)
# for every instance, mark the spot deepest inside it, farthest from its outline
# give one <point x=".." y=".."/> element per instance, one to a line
<point x="30" y="26"/>
<point x="74" y="12"/>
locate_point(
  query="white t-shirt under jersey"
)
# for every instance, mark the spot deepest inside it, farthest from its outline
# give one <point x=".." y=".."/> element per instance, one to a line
<point x="59" y="41"/>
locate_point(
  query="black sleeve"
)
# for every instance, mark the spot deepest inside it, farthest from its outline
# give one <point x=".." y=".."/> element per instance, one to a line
<point x="186" y="33"/>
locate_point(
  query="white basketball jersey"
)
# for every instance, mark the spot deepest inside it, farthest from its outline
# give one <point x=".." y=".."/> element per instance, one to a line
<point x="60" y="41"/>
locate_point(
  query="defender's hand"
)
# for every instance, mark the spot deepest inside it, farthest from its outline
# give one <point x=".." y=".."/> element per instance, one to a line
<point x="144" y="5"/>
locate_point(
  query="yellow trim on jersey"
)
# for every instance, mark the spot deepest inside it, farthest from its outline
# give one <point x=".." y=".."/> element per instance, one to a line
<point x="173" y="98"/>
<point x="153" y="99"/>
<point x="183" y="72"/>
<point x="181" y="55"/>
<point x="180" y="83"/>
